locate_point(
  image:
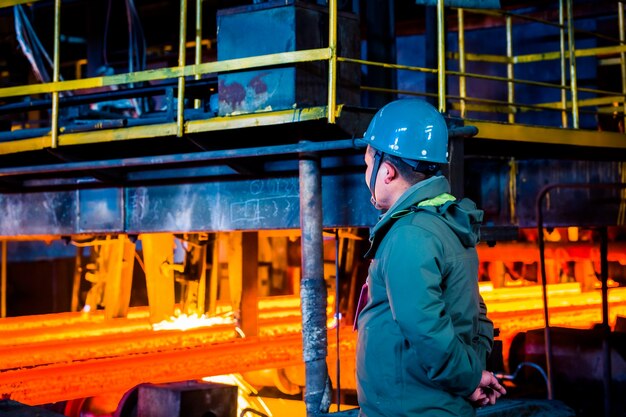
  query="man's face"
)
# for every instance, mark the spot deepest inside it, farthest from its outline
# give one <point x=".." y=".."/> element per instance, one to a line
<point x="379" y="185"/>
<point x="369" y="162"/>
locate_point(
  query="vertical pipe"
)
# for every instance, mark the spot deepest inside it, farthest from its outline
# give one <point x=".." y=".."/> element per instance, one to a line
<point x="563" y="70"/>
<point x="3" y="277"/>
<point x="332" y="62"/>
<point x="180" y="127"/>
<point x="441" y="54"/>
<point x="462" y="79"/>
<point x="249" y="310"/>
<point x="622" y="56"/>
<point x="313" y="293"/>
<point x="509" y="68"/>
<point x="337" y="316"/>
<point x="572" y="63"/>
<point x="606" y="328"/>
<point x="54" y="139"/>
<point x="78" y="273"/>
<point x="604" y="275"/>
<point x="542" y="262"/>
<point x="215" y="274"/>
<point x="198" y="60"/>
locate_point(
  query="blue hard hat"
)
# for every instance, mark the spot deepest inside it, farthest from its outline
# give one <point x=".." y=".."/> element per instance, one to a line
<point x="410" y="129"/>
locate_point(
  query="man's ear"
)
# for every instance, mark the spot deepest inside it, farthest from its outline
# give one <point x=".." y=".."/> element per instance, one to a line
<point x="389" y="172"/>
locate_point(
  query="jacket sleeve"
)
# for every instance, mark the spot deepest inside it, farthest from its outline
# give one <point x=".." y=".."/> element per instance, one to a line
<point x="485" y="334"/>
<point x="414" y="278"/>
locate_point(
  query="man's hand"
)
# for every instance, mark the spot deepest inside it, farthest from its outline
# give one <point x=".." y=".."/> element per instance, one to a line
<point x="488" y="391"/>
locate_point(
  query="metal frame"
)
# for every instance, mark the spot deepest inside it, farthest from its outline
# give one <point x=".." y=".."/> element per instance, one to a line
<point x="604" y="277"/>
<point x="55" y="138"/>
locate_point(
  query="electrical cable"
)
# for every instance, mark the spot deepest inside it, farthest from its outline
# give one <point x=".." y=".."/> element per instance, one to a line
<point x="107" y="22"/>
<point x="24" y="34"/>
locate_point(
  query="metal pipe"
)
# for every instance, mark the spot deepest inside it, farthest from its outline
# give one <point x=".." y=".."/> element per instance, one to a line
<point x="3" y="277"/>
<point x="332" y="61"/>
<point x="182" y="41"/>
<point x="134" y="92"/>
<point x="542" y="263"/>
<point x="441" y="58"/>
<point x="604" y="267"/>
<point x="572" y="64"/>
<point x="622" y="56"/>
<point x="462" y="79"/>
<point x="606" y="328"/>
<point x="158" y="162"/>
<point x="509" y="68"/>
<point x="564" y="121"/>
<point x="338" y="317"/>
<point x="54" y="130"/>
<point x="197" y="102"/>
<point x="313" y="293"/>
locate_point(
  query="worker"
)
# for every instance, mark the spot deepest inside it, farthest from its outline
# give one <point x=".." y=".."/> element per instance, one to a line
<point x="423" y="333"/>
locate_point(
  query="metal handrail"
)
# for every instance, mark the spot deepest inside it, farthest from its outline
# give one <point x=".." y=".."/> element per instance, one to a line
<point x="329" y="54"/>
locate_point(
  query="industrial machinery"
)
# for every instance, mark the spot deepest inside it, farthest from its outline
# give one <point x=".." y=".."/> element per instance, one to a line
<point x="183" y="199"/>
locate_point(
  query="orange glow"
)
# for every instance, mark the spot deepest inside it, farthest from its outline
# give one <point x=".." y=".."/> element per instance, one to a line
<point x="192" y="321"/>
<point x="518" y="309"/>
<point x="65" y="356"/>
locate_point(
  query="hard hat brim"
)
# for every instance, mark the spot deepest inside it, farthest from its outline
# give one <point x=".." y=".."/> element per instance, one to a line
<point x="360" y="143"/>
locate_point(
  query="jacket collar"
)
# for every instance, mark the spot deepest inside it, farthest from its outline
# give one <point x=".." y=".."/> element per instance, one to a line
<point x="423" y="190"/>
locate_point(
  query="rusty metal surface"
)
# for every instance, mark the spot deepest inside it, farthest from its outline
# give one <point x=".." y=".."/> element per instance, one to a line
<point x="261" y="204"/>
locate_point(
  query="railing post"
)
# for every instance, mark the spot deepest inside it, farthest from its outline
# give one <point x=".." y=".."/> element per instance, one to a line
<point x="182" y="45"/>
<point x="564" y="121"/>
<point x="572" y="64"/>
<point x="196" y="103"/>
<point x="509" y="69"/>
<point x="441" y="54"/>
<point x="54" y="141"/>
<point x="462" y="80"/>
<point x="332" y="61"/>
<point x="622" y="56"/>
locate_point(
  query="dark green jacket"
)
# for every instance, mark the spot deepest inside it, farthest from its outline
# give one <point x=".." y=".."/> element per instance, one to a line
<point x="423" y="336"/>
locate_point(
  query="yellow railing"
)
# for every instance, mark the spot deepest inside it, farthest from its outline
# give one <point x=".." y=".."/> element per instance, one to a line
<point x="181" y="71"/>
<point x="568" y="104"/>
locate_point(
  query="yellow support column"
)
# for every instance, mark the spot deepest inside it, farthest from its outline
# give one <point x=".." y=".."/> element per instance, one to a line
<point x="509" y="69"/>
<point x="54" y="130"/>
<point x="441" y="60"/>
<point x="622" y="61"/>
<point x="332" y="62"/>
<point x="198" y="60"/>
<point x="121" y="259"/>
<point x="462" y="80"/>
<point x="182" y="45"/>
<point x="235" y="269"/>
<point x="563" y="66"/>
<point x="215" y="276"/>
<point x="572" y="64"/>
<point x="158" y="254"/>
